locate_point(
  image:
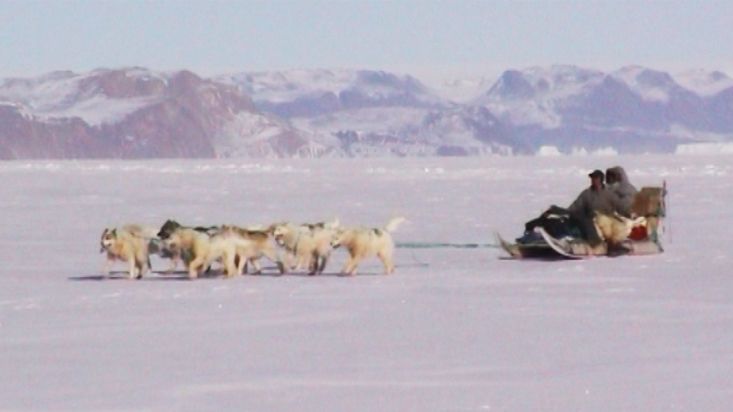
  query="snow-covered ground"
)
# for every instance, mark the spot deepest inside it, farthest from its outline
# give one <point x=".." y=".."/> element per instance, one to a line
<point x="451" y="330"/>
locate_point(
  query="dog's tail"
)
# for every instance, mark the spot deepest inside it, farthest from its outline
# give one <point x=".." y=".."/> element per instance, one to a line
<point x="393" y="224"/>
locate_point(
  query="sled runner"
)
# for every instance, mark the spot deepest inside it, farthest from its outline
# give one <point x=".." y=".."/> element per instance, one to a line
<point x="538" y="249"/>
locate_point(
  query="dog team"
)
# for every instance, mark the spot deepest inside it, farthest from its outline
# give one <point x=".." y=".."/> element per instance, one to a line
<point x="289" y="246"/>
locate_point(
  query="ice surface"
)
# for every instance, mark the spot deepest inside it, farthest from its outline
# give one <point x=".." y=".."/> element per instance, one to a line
<point x="548" y="150"/>
<point x="451" y="330"/>
<point x="705" y="148"/>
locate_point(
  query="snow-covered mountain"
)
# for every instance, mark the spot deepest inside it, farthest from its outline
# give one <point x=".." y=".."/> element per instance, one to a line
<point x="631" y="109"/>
<point x="703" y="82"/>
<point x="374" y="113"/>
<point x="140" y="113"/>
<point x="536" y="95"/>
<point x="134" y="113"/>
<point x="299" y="93"/>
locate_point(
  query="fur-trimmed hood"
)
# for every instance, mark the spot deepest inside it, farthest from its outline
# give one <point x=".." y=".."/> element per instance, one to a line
<point x="622" y="187"/>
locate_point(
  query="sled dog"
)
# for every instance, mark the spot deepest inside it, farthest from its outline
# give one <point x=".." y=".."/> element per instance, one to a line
<point x="363" y="242"/>
<point x="128" y="244"/>
<point x="306" y="245"/>
<point x="225" y="245"/>
<point x="165" y="232"/>
<point x="262" y="245"/>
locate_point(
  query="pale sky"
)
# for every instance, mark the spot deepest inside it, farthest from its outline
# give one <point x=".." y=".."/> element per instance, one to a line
<point x="419" y="37"/>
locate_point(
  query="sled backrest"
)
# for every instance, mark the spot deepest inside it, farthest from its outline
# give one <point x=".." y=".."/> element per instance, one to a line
<point x="649" y="202"/>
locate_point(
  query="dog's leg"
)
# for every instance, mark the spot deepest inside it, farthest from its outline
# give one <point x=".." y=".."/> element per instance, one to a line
<point x="242" y="264"/>
<point x="140" y="269"/>
<point x="193" y="267"/>
<point x="239" y="262"/>
<point x="347" y="265"/>
<point x="386" y="259"/>
<point x="174" y="262"/>
<point x="354" y="265"/>
<point x="143" y="263"/>
<point x="132" y="267"/>
<point x="324" y="260"/>
<point x="142" y="258"/>
<point x="231" y="263"/>
<point x="313" y="264"/>
<point x="272" y="254"/>
<point x="107" y="266"/>
<point x="301" y="261"/>
<point x="288" y="261"/>
<point x="298" y="262"/>
<point x="350" y="266"/>
<point x="256" y="265"/>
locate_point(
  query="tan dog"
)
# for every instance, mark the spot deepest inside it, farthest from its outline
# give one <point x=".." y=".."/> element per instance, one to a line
<point x="225" y="245"/>
<point x="365" y="242"/>
<point x="129" y="245"/>
<point x="261" y="244"/>
<point x="307" y="245"/>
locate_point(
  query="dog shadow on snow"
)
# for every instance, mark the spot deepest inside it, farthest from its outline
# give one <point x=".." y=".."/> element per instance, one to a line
<point x="212" y="274"/>
<point x="150" y="276"/>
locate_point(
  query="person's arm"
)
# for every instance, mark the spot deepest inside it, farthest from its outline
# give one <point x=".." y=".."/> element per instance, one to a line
<point x="556" y="210"/>
<point x="578" y="206"/>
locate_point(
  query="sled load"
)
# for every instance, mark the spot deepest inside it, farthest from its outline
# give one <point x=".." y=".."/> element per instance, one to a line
<point x="558" y="236"/>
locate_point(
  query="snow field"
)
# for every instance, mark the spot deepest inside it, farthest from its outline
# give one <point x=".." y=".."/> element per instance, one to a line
<point x="451" y="330"/>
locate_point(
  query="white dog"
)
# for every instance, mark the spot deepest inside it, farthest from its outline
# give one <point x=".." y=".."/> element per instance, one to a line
<point x="365" y="242"/>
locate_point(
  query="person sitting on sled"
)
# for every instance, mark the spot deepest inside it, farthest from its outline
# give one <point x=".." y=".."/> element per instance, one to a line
<point x="618" y="182"/>
<point x="580" y="214"/>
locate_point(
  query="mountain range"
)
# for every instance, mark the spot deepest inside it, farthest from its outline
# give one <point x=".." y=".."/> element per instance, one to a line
<point x="141" y="113"/>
